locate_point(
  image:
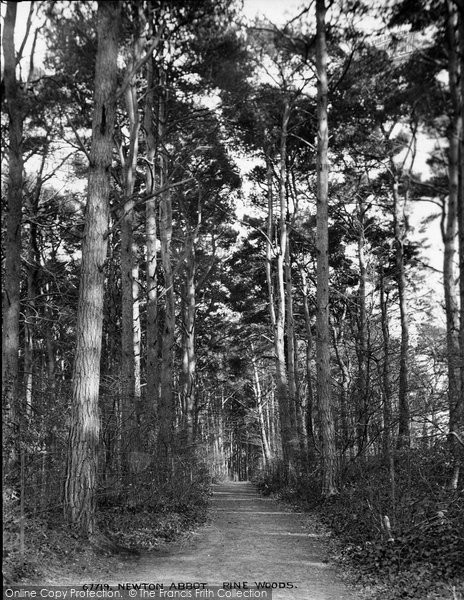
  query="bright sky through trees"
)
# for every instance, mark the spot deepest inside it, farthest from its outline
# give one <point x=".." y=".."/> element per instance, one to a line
<point x="277" y="11"/>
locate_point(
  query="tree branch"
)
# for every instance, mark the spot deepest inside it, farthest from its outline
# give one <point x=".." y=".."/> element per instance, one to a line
<point x="139" y="64"/>
<point x="145" y="199"/>
<point x="26" y="34"/>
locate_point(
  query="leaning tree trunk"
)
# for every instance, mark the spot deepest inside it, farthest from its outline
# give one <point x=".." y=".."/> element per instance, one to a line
<point x="12" y="275"/>
<point x="81" y="468"/>
<point x="328" y="452"/>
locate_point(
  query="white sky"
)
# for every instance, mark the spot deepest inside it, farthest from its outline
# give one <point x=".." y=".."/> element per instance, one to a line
<point x="277" y="11"/>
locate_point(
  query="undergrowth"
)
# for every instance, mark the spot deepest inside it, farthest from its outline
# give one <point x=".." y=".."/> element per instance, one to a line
<point x="422" y="555"/>
<point x="54" y="551"/>
<point x="172" y="511"/>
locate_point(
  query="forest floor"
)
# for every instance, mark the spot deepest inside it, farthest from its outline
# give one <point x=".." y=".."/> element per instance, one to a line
<point x="248" y="541"/>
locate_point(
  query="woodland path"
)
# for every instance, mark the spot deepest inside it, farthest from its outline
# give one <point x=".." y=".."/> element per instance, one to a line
<point x="248" y="539"/>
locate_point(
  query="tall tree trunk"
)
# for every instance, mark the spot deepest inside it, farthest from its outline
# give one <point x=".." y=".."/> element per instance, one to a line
<point x="137" y="343"/>
<point x="276" y="314"/>
<point x="152" y="388"/>
<point x="460" y="408"/>
<point x="461" y="214"/>
<point x="455" y="223"/>
<point x="81" y="468"/>
<point x="270" y="241"/>
<point x="189" y="358"/>
<point x="273" y="421"/>
<point x="259" y="407"/>
<point x="33" y="274"/>
<point x="309" y="383"/>
<point x="11" y="293"/>
<point x="329" y="459"/>
<point x="387" y="450"/>
<point x="386" y="370"/>
<point x="188" y="370"/>
<point x="130" y="397"/>
<point x="286" y="406"/>
<point x="30" y="323"/>
<point x="166" y="407"/>
<point x="361" y="342"/>
<point x="338" y="336"/>
<point x="111" y="347"/>
<point x="404" y="431"/>
<point x="292" y="364"/>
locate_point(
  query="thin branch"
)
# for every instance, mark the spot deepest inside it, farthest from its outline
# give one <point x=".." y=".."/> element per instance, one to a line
<point x="141" y="61"/>
<point x="78" y="138"/>
<point x="146" y="199"/>
<point x="457" y="437"/>
<point x="31" y="60"/>
<point x="303" y="140"/>
<point x="305" y="10"/>
<point x="26" y="34"/>
<point x="345" y="71"/>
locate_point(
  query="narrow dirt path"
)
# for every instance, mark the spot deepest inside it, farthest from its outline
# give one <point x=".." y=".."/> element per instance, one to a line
<point x="249" y="539"/>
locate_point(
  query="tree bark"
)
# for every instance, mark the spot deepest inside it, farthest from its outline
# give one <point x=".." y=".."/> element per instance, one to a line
<point x="259" y="407"/>
<point x="455" y="224"/>
<point x="152" y="389"/>
<point x="309" y="421"/>
<point x="386" y="371"/>
<point x="166" y="407"/>
<point x="404" y="426"/>
<point x="33" y="270"/>
<point x="292" y="368"/>
<point x="11" y="293"/>
<point x="286" y="406"/>
<point x="130" y="396"/>
<point x="338" y="337"/>
<point x="361" y="345"/>
<point x="81" y="471"/>
<point x="387" y="450"/>
<point x="328" y="452"/>
<point x="277" y="313"/>
<point x="460" y="408"/>
<point x="189" y="358"/>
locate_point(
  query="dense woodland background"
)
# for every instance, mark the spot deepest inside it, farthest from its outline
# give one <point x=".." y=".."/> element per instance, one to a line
<point x="218" y="263"/>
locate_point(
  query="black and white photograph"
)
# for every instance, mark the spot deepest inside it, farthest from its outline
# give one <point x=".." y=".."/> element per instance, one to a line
<point x="232" y="299"/>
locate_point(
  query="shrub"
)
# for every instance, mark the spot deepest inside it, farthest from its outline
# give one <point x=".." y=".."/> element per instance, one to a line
<point x="425" y="557"/>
